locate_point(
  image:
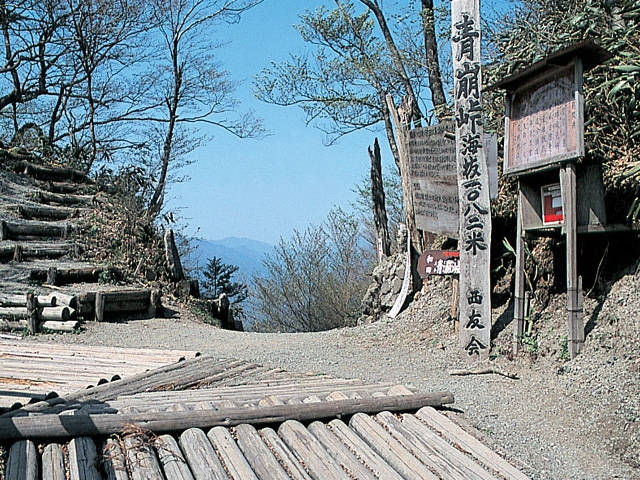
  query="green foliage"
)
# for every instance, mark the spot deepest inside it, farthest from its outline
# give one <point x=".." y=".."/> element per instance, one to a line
<point x="315" y="280"/>
<point x="537" y="28"/>
<point x="530" y="343"/>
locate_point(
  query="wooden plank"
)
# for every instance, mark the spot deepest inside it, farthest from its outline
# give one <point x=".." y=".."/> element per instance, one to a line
<point x="141" y="458"/>
<point x="50" y="425"/>
<point x="234" y="461"/>
<point x="261" y="459"/>
<point x="22" y="461"/>
<point x="285" y="456"/>
<point x="114" y="461"/>
<point x="366" y="454"/>
<point x="310" y="452"/>
<point x="201" y="456"/>
<point x="348" y="460"/>
<point x="440" y="457"/>
<point x="53" y="462"/>
<point x="468" y="443"/>
<point x="392" y="451"/>
<point x="173" y="463"/>
<point x="83" y="459"/>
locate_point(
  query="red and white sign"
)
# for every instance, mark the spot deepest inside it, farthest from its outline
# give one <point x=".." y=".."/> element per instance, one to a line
<point x="552" y="204"/>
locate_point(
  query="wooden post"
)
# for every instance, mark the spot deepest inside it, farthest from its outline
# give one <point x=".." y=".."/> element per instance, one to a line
<point x="32" y="312"/>
<point x="455" y="302"/>
<point x="518" y="304"/>
<point x="574" y="309"/>
<point x="99" y="306"/>
<point x="473" y="183"/>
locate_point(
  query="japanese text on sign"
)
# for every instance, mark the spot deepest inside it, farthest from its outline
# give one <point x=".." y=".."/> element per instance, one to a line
<point x="473" y="182"/>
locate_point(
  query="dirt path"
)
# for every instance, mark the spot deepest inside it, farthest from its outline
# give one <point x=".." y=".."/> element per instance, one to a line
<point x="550" y="421"/>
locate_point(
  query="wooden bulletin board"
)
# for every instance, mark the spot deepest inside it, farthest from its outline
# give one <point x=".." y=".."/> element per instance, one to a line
<point x="544" y="121"/>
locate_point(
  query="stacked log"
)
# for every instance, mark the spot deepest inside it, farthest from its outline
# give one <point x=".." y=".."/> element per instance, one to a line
<point x="64" y="276"/>
<point x="33" y="229"/>
<point x="55" y="174"/>
<point x="19" y="312"/>
<point x="19" y="251"/>
<point x="47" y="212"/>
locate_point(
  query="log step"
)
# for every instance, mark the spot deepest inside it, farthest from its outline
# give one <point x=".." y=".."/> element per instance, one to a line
<point x="55" y="174"/>
<point x="63" y="199"/>
<point x="65" y="276"/>
<point x="19" y="251"/>
<point x="46" y="212"/>
<point x="32" y="229"/>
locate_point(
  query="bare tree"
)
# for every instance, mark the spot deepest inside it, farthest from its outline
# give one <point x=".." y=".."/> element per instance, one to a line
<point x="192" y="87"/>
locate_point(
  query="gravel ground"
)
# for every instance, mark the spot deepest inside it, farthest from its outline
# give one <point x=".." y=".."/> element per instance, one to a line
<point x="561" y="419"/>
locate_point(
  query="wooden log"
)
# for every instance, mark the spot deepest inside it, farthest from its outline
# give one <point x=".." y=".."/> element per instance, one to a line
<point x="141" y="458"/>
<point x="310" y="452"/>
<point x="366" y="454"/>
<point x="66" y="299"/>
<point x="47" y="212"/>
<point x="51" y="426"/>
<point x="262" y="460"/>
<point x="38" y="250"/>
<point x="60" y="314"/>
<point x="235" y="463"/>
<point x="32" y="313"/>
<point x="35" y="228"/>
<point x="468" y="443"/>
<point x="56" y="174"/>
<point x="338" y="451"/>
<point x="53" y="462"/>
<point x="171" y="458"/>
<point x="286" y="457"/>
<point x="83" y="458"/>
<point x="68" y="326"/>
<point x="68" y="200"/>
<point x="438" y="455"/>
<point x="22" y="462"/>
<point x="155" y="298"/>
<point x="201" y="456"/>
<point x="392" y="451"/>
<point x="113" y="461"/>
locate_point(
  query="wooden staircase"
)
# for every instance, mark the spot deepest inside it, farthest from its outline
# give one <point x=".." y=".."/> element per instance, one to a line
<point x="43" y="282"/>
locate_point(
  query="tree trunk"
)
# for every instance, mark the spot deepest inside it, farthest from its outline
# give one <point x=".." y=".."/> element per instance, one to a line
<point x="414" y="109"/>
<point x="383" y="244"/>
<point x="433" y="63"/>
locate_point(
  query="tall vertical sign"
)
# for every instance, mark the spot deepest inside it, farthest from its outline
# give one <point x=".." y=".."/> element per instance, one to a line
<point x="473" y="183"/>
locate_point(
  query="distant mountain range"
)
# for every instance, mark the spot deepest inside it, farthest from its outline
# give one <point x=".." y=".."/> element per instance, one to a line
<point x="245" y="253"/>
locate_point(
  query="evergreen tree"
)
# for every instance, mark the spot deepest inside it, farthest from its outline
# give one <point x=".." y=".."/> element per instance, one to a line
<point x="219" y="279"/>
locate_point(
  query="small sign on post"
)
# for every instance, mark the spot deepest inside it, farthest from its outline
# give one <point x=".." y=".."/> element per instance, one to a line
<point x="473" y="183"/>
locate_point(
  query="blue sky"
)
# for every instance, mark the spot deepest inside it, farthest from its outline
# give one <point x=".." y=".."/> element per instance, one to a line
<point x="264" y="188"/>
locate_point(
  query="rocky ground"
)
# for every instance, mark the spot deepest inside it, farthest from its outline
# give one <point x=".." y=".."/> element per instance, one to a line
<point x="561" y="419"/>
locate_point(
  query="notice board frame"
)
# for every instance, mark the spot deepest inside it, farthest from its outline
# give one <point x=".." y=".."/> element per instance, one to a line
<point x="549" y="110"/>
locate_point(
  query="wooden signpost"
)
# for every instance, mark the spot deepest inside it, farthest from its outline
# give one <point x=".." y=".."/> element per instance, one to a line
<point x="473" y="183"/>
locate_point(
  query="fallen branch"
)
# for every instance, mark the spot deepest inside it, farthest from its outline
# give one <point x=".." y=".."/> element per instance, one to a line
<point x="483" y="371"/>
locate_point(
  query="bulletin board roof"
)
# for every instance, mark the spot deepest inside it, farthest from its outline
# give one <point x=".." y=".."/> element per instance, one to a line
<point x="590" y="52"/>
